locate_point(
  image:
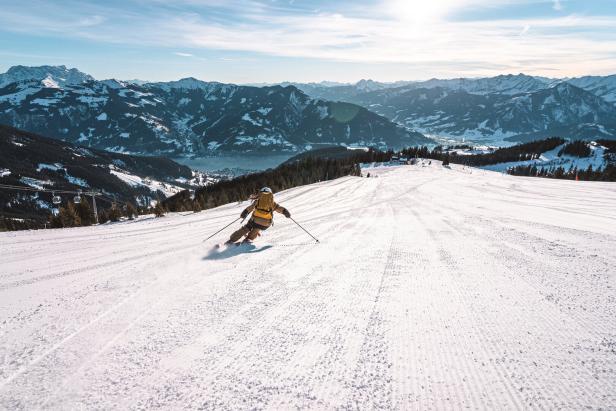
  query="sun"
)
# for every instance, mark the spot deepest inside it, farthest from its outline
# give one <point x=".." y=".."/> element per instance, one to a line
<point x="419" y="11"/>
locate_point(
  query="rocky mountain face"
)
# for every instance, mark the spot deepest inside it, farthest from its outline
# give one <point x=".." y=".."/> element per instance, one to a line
<point x="186" y="117"/>
<point x="492" y="110"/>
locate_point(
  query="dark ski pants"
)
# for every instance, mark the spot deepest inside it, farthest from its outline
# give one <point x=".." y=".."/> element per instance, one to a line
<point x="250" y="230"/>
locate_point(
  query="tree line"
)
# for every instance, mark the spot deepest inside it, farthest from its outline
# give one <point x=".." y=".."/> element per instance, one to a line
<point x="529" y="151"/>
<point x="305" y="171"/>
<point x="520" y="152"/>
<point x="81" y="214"/>
<point x="75" y="215"/>
<point x="607" y="173"/>
<point x="578" y="148"/>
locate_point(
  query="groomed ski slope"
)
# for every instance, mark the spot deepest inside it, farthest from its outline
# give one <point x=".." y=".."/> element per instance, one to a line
<point x="431" y="289"/>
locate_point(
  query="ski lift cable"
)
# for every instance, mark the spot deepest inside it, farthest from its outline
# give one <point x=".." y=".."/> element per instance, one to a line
<point x="110" y="200"/>
<point x="47" y="190"/>
<point x="96" y="193"/>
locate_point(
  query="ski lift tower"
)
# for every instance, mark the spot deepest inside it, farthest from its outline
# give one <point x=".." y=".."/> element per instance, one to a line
<point x="94" y="193"/>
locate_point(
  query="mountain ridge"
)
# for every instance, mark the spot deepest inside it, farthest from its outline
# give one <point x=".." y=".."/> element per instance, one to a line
<point x="191" y="117"/>
<point x="493" y="110"/>
<point x="163" y="118"/>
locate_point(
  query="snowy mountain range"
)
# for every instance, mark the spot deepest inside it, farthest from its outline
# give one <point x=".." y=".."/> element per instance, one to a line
<point x="490" y="110"/>
<point x="185" y="117"/>
<point x="604" y="87"/>
<point x="503" y="84"/>
<point x="563" y="110"/>
<point x="192" y="117"/>
<point x="510" y="84"/>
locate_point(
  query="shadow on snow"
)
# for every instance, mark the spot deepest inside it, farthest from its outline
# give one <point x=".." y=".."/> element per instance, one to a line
<point x="233" y="250"/>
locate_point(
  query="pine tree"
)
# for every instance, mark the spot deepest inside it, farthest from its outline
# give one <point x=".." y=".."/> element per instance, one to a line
<point x="114" y="213"/>
<point x="103" y="217"/>
<point x="446" y="160"/>
<point x="197" y="206"/>
<point x="159" y="210"/>
<point x="68" y="216"/>
<point x="131" y="211"/>
<point x="85" y="212"/>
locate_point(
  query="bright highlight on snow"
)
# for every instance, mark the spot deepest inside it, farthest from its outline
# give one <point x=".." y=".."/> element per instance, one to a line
<point x="432" y="288"/>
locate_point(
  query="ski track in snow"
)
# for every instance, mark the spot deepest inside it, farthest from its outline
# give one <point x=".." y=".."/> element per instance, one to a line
<point x="432" y="288"/>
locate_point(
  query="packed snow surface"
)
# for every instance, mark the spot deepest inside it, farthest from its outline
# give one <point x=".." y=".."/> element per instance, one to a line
<point x="432" y="288"/>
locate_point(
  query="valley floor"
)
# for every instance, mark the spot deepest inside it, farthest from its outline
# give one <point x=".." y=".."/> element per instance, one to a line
<point x="431" y="289"/>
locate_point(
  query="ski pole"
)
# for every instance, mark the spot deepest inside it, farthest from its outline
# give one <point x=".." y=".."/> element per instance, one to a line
<point x="239" y="218"/>
<point x="298" y="224"/>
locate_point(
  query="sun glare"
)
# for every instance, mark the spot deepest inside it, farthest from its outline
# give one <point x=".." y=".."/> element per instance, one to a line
<point x="419" y="11"/>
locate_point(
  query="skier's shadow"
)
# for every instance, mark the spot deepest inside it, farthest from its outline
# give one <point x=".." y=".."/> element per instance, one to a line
<point x="231" y="251"/>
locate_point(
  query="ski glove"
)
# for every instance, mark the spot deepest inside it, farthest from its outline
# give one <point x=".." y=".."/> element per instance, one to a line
<point x="286" y="213"/>
<point x="244" y="214"/>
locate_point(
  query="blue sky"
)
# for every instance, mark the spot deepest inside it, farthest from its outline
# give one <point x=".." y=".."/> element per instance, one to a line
<point x="252" y="41"/>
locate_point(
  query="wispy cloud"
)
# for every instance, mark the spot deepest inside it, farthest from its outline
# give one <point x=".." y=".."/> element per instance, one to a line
<point x="333" y="36"/>
<point x="92" y="20"/>
<point x="418" y="33"/>
<point x="557" y="5"/>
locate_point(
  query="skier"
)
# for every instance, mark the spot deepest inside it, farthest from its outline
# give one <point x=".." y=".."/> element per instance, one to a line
<point x="262" y="209"/>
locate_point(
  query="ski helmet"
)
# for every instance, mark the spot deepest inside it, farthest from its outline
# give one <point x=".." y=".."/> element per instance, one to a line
<point x="266" y="190"/>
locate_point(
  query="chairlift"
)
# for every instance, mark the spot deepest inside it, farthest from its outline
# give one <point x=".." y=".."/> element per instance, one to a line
<point x="56" y="199"/>
<point x="77" y="198"/>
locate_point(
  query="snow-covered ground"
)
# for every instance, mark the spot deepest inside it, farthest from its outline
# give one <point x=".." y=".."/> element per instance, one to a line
<point x="432" y="288"/>
<point x="154" y="185"/>
<point x="198" y="179"/>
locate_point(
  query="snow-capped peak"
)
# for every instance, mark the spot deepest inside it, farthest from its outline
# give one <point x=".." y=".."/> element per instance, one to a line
<point x="49" y="82"/>
<point x="188" y="83"/>
<point x="367" y="85"/>
<point x="47" y="75"/>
